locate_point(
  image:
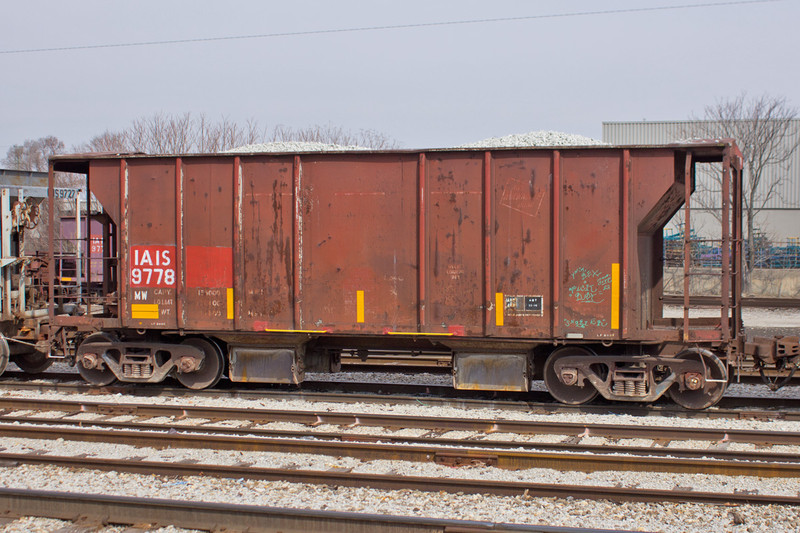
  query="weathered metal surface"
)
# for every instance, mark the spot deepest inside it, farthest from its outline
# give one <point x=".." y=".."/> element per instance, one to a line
<point x="208" y="242"/>
<point x="455" y="242"/>
<point x="138" y="362"/>
<point x="517" y="244"/>
<point x="12" y="179"/>
<point x="590" y="243"/>
<point x="358" y="248"/>
<point x="521" y="230"/>
<point x="151" y="244"/>
<point x="265" y="365"/>
<point x="267" y="243"/>
<point x="104" y="185"/>
<point x="491" y="371"/>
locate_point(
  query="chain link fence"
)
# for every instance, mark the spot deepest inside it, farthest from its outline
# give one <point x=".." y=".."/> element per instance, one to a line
<point x="707" y="253"/>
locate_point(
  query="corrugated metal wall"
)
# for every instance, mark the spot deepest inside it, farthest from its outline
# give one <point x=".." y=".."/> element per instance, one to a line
<point x="787" y="193"/>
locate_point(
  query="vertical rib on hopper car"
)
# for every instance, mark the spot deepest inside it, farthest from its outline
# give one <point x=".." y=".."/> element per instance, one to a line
<point x="517" y="262"/>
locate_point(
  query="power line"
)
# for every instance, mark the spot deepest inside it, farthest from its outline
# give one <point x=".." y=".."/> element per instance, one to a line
<point x="386" y="27"/>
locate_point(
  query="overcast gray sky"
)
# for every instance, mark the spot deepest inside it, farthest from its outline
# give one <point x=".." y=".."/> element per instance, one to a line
<point x="425" y="86"/>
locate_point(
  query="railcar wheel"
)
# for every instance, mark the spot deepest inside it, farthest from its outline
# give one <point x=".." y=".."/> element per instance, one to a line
<point x="709" y="388"/>
<point x="4" y="353"/>
<point x="99" y="377"/>
<point x="210" y="370"/>
<point x="33" y="362"/>
<point x="569" y="394"/>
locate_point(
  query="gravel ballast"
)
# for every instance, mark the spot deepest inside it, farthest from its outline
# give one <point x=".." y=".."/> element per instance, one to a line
<point x="568" y="512"/>
<point x="543" y="511"/>
<point x="555" y="512"/>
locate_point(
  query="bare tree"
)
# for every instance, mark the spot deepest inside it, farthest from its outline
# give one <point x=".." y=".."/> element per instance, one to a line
<point x="107" y="142"/>
<point x="330" y="134"/>
<point x="163" y="133"/>
<point x="763" y="128"/>
<point x="33" y="154"/>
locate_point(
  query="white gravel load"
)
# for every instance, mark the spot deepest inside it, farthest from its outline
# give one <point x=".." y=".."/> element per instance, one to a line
<point x="535" y="138"/>
<point x="293" y="146"/>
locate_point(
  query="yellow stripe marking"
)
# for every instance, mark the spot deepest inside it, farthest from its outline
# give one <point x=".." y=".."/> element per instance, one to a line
<point x="499" y="308"/>
<point x="360" y="307"/>
<point x="145" y="311"/>
<point x="67" y="279"/>
<point x="615" y="295"/>
<point x="230" y="303"/>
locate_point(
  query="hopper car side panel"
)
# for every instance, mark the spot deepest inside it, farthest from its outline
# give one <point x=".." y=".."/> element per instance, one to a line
<point x="454" y="292"/>
<point x="264" y="281"/>
<point x="149" y="244"/>
<point x="520" y="235"/>
<point x="514" y="244"/>
<point x="207" y="235"/>
<point x="590" y="245"/>
<point x="358" y="244"/>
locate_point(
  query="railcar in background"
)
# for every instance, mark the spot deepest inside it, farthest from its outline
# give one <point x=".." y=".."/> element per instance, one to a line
<point x="23" y="295"/>
<point x="517" y="263"/>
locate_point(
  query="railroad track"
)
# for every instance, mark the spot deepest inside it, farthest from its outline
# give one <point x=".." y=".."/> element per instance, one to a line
<point x="567" y="453"/>
<point x="382" y="393"/>
<point x="328" y="433"/>
<point x="508" y="454"/>
<point x="254" y="417"/>
<point x="96" y="509"/>
<point x="349" y="478"/>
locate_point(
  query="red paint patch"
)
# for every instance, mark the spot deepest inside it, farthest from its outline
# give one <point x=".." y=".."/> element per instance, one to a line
<point x="209" y="267"/>
<point x="457" y="331"/>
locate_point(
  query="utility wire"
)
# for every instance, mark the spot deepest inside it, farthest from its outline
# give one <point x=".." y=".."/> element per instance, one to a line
<point x="387" y="27"/>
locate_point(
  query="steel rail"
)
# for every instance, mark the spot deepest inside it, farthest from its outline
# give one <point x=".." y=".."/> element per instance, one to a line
<point x="349" y="478"/>
<point x="484" y="425"/>
<point x="381" y="393"/>
<point x="105" y="509"/>
<point x="442" y="451"/>
<point x="572" y="444"/>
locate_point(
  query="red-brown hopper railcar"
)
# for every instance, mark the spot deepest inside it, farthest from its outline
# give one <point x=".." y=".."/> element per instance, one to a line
<point x="261" y="266"/>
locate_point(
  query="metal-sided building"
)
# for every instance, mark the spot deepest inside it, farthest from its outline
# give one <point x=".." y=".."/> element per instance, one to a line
<point x="780" y="218"/>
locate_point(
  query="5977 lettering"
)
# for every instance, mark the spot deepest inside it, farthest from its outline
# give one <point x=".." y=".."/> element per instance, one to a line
<point x="152" y="266"/>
